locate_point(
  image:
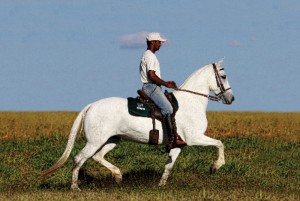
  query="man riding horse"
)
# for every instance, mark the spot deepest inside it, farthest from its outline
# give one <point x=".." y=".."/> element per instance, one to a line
<point x="152" y="82"/>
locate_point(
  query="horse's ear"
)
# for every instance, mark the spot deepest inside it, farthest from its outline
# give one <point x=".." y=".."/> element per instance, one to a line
<point x="221" y="62"/>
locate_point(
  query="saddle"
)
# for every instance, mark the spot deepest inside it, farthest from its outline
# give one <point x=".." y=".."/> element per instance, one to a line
<point x="145" y="107"/>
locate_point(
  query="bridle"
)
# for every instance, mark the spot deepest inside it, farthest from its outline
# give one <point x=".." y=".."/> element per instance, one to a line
<point x="219" y="81"/>
<point x="219" y="84"/>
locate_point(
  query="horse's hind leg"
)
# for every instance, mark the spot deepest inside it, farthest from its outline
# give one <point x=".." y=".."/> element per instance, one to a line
<point x="87" y="152"/>
<point x="99" y="157"/>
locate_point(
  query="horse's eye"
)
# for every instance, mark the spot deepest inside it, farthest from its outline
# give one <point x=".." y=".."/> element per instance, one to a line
<point x="223" y="76"/>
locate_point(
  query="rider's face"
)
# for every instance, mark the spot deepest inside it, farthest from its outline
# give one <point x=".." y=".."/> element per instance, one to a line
<point x="157" y="44"/>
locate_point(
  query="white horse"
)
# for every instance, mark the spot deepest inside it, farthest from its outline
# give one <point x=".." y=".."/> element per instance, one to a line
<point x="107" y="120"/>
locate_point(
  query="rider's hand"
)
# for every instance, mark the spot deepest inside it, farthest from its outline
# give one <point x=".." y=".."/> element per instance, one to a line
<point x="171" y="84"/>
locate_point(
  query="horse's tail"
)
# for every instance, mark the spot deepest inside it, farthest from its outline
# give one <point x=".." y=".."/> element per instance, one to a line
<point x="77" y="126"/>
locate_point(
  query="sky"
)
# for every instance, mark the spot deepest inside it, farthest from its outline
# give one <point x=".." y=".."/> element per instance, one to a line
<point x="61" y="55"/>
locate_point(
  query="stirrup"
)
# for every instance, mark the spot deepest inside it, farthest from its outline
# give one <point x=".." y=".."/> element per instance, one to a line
<point x="178" y="142"/>
<point x="175" y="142"/>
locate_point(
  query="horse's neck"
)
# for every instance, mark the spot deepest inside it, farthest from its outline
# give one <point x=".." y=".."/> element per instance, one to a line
<point x="191" y="102"/>
<point x="197" y="82"/>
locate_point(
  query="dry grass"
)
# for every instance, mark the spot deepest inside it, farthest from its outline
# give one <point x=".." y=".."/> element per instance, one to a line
<point x="24" y="125"/>
<point x="256" y="124"/>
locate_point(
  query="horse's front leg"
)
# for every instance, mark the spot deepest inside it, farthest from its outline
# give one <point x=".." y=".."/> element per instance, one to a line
<point x="174" y="153"/>
<point x="207" y="141"/>
<point x="221" y="159"/>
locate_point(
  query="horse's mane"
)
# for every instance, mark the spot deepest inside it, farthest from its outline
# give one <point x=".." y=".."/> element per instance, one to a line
<point x="195" y="73"/>
<point x="199" y="70"/>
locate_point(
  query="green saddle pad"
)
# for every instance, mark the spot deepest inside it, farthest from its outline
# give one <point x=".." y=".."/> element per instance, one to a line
<point x="143" y="109"/>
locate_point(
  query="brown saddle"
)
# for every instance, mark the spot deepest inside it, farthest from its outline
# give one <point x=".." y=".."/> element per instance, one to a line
<point x="156" y="113"/>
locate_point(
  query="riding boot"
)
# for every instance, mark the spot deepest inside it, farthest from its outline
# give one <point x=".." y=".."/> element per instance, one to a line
<point x="178" y="141"/>
<point x="168" y="125"/>
<point x="174" y="140"/>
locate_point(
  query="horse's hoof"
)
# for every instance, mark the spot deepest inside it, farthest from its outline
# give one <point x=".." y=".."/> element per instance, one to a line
<point x="75" y="187"/>
<point x="118" y="179"/>
<point x="213" y="169"/>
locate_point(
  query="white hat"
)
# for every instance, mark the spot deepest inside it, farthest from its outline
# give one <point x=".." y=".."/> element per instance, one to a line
<point x="155" y="36"/>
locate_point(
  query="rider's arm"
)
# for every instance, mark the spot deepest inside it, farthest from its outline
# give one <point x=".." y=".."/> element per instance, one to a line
<point x="154" y="78"/>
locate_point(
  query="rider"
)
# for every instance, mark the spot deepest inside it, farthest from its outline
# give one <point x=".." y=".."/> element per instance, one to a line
<point x="151" y="79"/>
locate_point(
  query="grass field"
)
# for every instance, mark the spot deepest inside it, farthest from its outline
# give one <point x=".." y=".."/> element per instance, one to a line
<point x="262" y="161"/>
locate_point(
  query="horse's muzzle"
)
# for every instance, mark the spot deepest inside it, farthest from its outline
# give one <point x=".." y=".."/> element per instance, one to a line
<point x="227" y="98"/>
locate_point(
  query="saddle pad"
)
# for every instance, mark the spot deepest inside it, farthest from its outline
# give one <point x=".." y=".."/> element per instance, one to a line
<point x="136" y="108"/>
<point x="143" y="109"/>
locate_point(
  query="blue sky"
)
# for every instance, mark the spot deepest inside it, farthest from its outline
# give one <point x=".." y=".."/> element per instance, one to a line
<point x="62" y="55"/>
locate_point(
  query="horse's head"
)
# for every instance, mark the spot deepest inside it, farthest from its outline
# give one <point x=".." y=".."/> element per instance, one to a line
<point x="220" y="85"/>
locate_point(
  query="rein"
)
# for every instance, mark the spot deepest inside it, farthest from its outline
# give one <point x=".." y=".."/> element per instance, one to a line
<point x="213" y="98"/>
<point x="219" y="83"/>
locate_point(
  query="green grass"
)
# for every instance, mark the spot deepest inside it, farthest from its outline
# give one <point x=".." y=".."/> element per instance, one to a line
<point x="256" y="169"/>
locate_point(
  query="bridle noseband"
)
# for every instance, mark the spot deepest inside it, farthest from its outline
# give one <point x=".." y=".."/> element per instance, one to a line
<point x="219" y="84"/>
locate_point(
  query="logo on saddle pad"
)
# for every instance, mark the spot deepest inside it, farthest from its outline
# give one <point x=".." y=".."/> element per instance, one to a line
<point x="140" y="106"/>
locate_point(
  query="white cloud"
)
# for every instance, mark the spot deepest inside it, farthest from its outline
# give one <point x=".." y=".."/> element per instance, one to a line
<point x="133" y="41"/>
<point x="235" y="43"/>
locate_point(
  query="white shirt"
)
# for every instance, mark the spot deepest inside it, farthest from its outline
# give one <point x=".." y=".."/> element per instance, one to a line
<point x="149" y="62"/>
